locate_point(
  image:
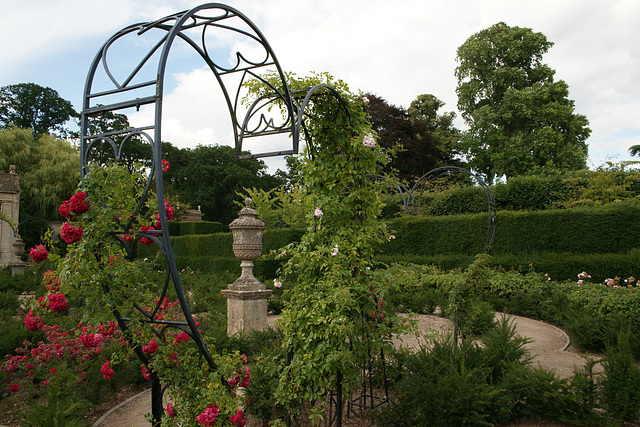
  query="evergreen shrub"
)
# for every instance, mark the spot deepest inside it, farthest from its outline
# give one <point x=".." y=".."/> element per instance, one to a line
<point x="177" y="228"/>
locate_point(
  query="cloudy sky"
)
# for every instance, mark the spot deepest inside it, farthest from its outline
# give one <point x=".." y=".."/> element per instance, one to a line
<point x="396" y="52"/>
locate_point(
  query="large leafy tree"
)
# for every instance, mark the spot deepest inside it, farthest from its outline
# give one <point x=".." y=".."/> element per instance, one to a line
<point x="49" y="170"/>
<point x="210" y="176"/>
<point x="424" y="114"/>
<point x="28" y="105"/>
<point x="520" y="120"/>
<point x="417" y="153"/>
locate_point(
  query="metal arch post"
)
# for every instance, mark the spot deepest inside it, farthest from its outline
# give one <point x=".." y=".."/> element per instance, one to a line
<point x="491" y="203"/>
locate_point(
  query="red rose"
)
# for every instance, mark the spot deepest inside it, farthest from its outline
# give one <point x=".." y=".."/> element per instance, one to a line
<point x="208" y="416"/>
<point x="64" y="210"/>
<point x="71" y="234"/>
<point x="77" y="203"/>
<point x="33" y="323"/>
<point x="151" y="348"/>
<point x="39" y="253"/>
<point x="57" y="302"/>
<point x="170" y="411"/>
<point x="165" y="165"/>
<point x="146" y="240"/>
<point x="238" y="419"/>
<point x="107" y="372"/>
<point x="146" y="373"/>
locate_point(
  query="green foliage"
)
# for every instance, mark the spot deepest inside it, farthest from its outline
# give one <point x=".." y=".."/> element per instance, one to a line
<point x="621" y="383"/>
<point x="210" y="176"/>
<point x="62" y="408"/>
<point x="325" y="275"/>
<point x="609" y="183"/>
<point x="48" y="167"/>
<point x="41" y="109"/>
<point x="280" y="207"/>
<point x="177" y="228"/>
<point x="442" y="387"/>
<point x="490" y="383"/>
<point x="520" y="119"/>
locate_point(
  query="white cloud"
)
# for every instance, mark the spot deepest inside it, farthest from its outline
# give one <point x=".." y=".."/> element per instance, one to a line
<point x="396" y="51"/>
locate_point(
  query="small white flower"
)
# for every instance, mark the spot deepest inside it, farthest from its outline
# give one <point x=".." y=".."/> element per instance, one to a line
<point x="334" y="251"/>
<point x="277" y="283"/>
<point x="318" y="213"/>
<point x="369" y="141"/>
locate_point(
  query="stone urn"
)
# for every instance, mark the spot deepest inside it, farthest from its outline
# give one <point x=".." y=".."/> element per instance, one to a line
<point x="246" y="297"/>
<point x="247" y="245"/>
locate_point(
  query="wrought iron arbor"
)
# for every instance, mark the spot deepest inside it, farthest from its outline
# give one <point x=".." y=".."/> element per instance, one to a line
<point x="109" y="89"/>
<point x="113" y="87"/>
<point x="411" y="202"/>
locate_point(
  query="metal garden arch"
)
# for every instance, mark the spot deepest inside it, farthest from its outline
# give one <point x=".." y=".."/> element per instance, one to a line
<point x="411" y="202"/>
<point x="108" y="89"/>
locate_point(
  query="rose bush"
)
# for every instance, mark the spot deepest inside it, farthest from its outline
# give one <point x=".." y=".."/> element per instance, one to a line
<point x="99" y="277"/>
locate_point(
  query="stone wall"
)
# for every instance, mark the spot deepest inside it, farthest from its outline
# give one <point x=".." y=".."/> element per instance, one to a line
<point x="10" y="206"/>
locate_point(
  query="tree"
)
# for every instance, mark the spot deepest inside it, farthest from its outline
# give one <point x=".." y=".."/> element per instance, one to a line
<point x="28" y="105"/>
<point x="417" y="153"/>
<point x="423" y="112"/>
<point x="210" y="176"/>
<point x="134" y="150"/>
<point x="520" y="120"/>
<point x="49" y="170"/>
<point x="634" y="150"/>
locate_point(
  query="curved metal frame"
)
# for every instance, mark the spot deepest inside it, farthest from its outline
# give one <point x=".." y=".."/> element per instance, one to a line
<point x="180" y="26"/>
<point x="408" y="198"/>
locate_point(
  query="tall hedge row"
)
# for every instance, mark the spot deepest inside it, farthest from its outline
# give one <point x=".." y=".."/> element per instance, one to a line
<point x="613" y="228"/>
<point x="603" y="240"/>
<point x="177" y="228"/>
<point x="531" y="193"/>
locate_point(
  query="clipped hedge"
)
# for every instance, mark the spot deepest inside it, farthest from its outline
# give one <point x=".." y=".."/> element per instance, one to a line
<point x="612" y="228"/>
<point x="214" y="252"/>
<point x="559" y="266"/>
<point x="602" y="240"/>
<point x="177" y="228"/>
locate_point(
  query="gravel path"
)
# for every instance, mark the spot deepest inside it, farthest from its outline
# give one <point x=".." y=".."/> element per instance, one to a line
<point x="550" y="347"/>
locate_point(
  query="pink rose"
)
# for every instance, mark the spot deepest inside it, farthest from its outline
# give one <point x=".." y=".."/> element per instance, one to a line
<point x="369" y="141"/>
<point x="165" y="165"/>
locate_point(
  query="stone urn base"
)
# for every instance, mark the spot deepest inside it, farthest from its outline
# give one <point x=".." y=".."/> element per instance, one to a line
<point x="246" y="310"/>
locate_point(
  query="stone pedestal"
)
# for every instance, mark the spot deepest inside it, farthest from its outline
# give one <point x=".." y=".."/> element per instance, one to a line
<point x="246" y="297"/>
<point x="246" y="310"/>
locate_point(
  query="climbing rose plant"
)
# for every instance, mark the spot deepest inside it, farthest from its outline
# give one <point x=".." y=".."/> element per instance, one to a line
<point x="105" y="220"/>
<point x="328" y="326"/>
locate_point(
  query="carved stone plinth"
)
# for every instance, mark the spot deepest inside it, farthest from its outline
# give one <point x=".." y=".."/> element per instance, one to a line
<point x="246" y="310"/>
